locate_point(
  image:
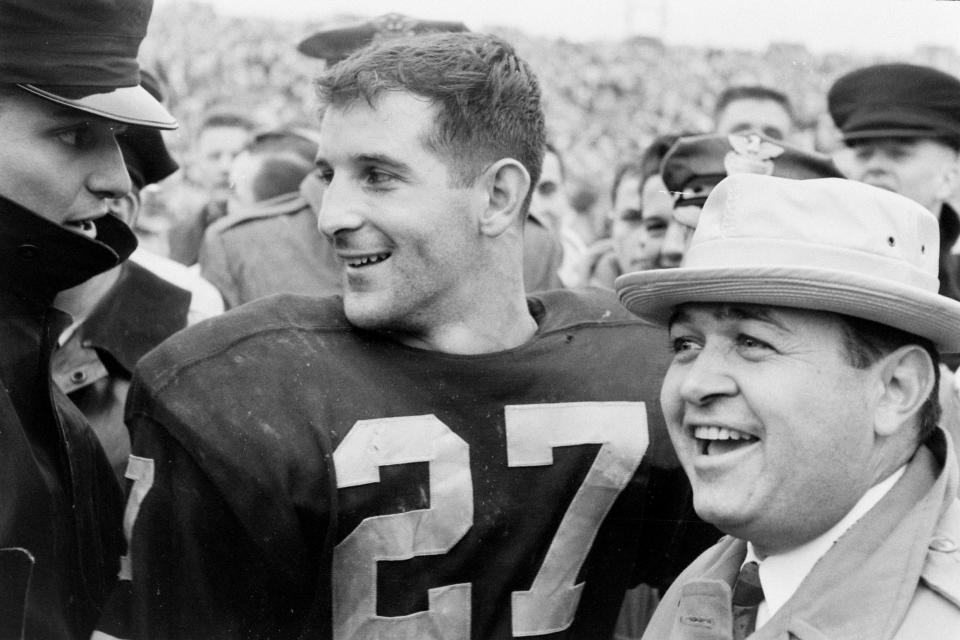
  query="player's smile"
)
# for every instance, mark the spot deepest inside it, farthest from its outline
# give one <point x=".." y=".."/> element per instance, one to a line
<point x="355" y="259"/>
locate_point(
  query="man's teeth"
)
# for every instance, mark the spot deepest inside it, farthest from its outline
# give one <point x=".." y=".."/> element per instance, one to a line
<point x="363" y="262"/>
<point x="719" y="433"/>
<point x="719" y="440"/>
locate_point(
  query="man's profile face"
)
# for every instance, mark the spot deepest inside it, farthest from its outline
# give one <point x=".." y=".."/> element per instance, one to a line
<point x="921" y="169"/>
<point x="216" y="149"/>
<point x="772" y="424"/>
<point x="409" y="240"/>
<point x="638" y="233"/>
<point x="766" y="116"/>
<point x="627" y="224"/>
<point x="58" y="162"/>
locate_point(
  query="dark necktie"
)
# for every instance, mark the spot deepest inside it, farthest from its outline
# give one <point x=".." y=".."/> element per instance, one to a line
<point x="747" y="596"/>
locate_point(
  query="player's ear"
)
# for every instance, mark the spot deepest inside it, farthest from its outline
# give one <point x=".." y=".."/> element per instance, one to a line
<point x="506" y="184"/>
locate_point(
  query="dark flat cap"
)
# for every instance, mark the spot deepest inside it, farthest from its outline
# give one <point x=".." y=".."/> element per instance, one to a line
<point x="334" y="45"/>
<point x="82" y="55"/>
<point x="896" y="101"/>
<point x="695" y="164"/>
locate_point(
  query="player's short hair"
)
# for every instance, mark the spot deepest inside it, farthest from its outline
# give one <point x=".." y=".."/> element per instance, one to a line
<point x="487" y="98"/>
<point x="752" y="92"/>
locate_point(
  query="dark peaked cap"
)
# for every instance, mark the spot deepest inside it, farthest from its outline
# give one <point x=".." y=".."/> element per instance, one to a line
<point x="695" y="164"/>
<point x="333" y="45"/>
<point x="82" y="54"/>
<point x="896" y="101"/>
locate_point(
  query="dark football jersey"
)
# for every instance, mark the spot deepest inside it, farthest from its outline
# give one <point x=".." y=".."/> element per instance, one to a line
<point x="294" y="476"/>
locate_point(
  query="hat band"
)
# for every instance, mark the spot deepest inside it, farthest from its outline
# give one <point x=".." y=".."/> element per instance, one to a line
<point x="766" y="252"/>
<point x="70" y="59"/>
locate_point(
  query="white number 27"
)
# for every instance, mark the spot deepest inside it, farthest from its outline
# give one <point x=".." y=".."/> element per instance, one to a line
<point x="532" y="432"/>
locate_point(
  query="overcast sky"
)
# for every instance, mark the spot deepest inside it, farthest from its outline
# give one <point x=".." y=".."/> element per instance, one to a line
<point x="888" y="26"/>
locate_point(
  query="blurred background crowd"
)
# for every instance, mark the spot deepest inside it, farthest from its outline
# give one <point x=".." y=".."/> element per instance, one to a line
<point x="606" y="100"/>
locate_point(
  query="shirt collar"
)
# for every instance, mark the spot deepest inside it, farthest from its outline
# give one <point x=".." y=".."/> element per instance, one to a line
<point x="782" y="573"/>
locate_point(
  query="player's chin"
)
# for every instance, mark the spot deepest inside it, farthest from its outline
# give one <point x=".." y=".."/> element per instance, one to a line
<point x="368" y="309"/>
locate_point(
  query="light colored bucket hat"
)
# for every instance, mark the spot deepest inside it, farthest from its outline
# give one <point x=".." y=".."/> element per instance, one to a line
<point x="825" y="244"/>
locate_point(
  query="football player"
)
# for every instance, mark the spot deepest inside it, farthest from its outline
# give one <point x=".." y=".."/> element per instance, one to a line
<point x="433" y="455"/>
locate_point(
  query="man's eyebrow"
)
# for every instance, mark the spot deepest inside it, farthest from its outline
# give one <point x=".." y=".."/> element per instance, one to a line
<point x="369" y="158"/>
<point x="383" y="160"/>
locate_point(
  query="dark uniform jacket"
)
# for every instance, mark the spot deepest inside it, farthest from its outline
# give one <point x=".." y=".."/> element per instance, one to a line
<point x="60" y="506"/>
<point x="94" y="366"/>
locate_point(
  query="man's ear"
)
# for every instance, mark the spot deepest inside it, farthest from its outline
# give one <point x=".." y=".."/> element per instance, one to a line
<point x="950" y="179"/>
<point x="907" y="378"/>
<point x="507" y="183"/>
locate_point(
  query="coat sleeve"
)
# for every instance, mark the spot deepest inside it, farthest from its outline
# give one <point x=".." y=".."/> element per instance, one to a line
<point x="195" y="568"/>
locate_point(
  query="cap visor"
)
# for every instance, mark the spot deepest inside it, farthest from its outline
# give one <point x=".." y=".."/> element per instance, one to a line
<point x="131" y="105"/>
<point x="653" y="296"/>
<point x="899" y="132"/>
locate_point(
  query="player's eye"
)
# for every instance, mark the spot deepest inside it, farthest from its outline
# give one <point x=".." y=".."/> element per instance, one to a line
<point x="377" y="177"/>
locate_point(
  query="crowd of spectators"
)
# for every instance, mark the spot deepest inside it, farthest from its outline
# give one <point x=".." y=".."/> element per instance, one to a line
<point x="605" y="101"/>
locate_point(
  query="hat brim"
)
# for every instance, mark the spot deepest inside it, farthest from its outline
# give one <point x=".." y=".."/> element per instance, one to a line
<point x="653" y="296"/>
<point x="899" y="132"/>
<point x="130" y="105"/>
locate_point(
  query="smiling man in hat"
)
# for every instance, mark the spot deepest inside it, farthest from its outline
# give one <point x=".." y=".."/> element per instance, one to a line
<point x="69" y="83"/>
<point x="802" y="401"/>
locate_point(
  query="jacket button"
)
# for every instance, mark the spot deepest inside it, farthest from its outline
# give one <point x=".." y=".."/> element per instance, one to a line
<point x="78" y="376"/>
<point x="27" y="251"/>
<point x="945" y="545"/>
